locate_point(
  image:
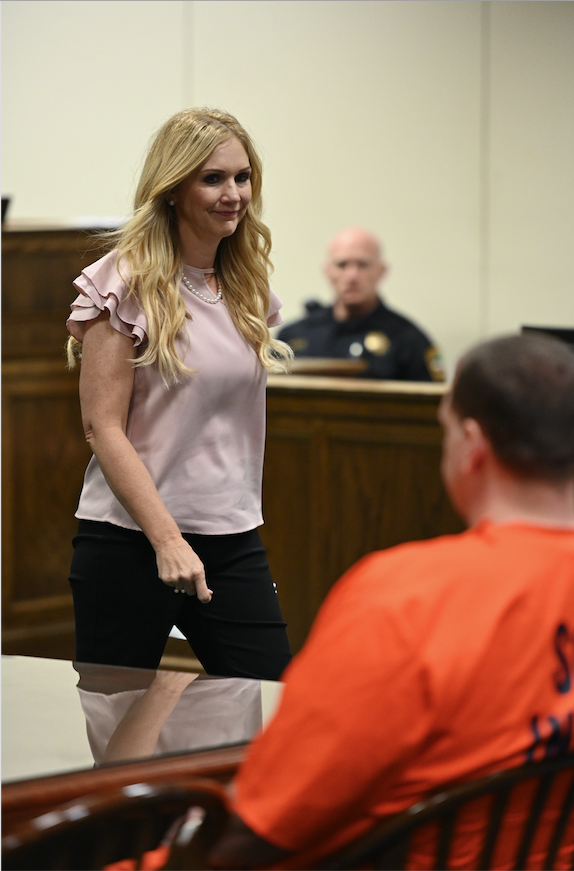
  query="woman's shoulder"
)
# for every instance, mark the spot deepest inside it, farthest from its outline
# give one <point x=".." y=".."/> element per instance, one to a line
<point x="274" y="318"/>
<point x="106" y="276"/>
<point x="103" y="286"/>
<point x="105" y="270"/>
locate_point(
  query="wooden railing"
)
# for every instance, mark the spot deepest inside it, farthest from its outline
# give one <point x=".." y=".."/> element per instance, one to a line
<point x="44" y="453"/>
<point x="351" y="466"/>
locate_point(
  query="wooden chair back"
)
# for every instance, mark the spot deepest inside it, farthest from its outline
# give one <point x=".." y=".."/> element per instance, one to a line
<point x="520" y="818"/>
<point x="94" y="831"/>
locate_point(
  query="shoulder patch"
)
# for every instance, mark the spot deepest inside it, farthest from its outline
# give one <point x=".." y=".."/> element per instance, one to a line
<point x="298" y="344"/>
<point x="434" y="363"/>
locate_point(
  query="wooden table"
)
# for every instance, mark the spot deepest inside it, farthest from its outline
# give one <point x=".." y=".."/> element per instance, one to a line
<point x="46" y="755"/>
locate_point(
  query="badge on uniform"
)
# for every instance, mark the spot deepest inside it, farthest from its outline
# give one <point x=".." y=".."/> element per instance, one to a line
<point x="377" y="343"/>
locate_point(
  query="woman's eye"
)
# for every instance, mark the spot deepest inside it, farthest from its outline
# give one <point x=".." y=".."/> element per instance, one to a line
<point x="211" y="179"/>
<point x="243" y="177"/>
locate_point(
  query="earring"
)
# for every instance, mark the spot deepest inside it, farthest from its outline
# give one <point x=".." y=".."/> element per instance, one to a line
<point x="171" y="202"/>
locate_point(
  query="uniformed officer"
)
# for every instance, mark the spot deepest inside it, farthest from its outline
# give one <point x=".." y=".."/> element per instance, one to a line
<point x="359" y="325"/>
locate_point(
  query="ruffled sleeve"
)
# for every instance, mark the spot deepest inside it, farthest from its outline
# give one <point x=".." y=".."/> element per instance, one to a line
<point x="274" y="317"/>
<point x="101" y="287"/>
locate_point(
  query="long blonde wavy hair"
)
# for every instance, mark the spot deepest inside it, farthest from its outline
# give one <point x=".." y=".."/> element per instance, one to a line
<point x="149" y="255"/>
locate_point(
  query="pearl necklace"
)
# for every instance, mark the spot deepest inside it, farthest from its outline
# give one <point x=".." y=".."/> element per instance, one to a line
<point x="212" y="300"/>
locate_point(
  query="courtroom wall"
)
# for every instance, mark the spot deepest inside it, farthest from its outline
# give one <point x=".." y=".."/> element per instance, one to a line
<point x="445" y="127"/>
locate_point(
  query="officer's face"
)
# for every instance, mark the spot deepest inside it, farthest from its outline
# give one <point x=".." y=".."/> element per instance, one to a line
<point x="354" y="269"/>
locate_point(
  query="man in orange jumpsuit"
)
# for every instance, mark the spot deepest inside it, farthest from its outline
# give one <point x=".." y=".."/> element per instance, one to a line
<point x="436" y="661"/>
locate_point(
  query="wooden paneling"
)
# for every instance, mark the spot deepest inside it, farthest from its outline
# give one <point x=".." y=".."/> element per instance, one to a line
<point x="44" y="458"/>
<point x="291" y="522"/>
<point x="350" y="467"/>
<point x="38" y="268"/>
<point x="44" y="453"/>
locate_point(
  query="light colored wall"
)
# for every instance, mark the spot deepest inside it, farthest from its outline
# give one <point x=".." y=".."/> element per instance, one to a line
<point x="84" y="85"/>
<point x="369" y="114"/>
<point x="531" y="166"/>
<point x="446" y="128"/>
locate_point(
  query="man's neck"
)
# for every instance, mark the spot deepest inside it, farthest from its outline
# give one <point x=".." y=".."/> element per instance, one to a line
<point x="343" y="312"/>
<point x="536" y="502"/>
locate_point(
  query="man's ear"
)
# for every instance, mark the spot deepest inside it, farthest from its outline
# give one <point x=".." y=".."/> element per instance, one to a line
<point x="383" y="271"/>
<point x="327" y="270"/>
<point x="476" y="445"/>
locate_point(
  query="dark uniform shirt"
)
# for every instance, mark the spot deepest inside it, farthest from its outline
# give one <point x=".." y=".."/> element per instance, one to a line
<point x="392" y="346"/>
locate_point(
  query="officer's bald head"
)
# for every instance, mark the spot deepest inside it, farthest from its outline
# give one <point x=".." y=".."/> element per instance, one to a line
<point x="354" y="268"/>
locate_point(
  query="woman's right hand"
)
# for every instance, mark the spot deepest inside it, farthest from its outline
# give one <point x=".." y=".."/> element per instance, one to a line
<point x="179" y="567"/>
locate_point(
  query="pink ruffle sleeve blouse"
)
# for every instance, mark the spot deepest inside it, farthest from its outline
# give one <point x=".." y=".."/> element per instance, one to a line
<point x="202" y="440"/>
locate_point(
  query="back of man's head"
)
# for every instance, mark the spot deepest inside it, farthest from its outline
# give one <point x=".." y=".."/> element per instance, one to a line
<point x="520" y="389"/>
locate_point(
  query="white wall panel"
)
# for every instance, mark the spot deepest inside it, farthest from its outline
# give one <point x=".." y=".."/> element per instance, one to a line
<point x="84" y="84"/>
<point x="367" y="113"/>
<point x="531" y="195"/>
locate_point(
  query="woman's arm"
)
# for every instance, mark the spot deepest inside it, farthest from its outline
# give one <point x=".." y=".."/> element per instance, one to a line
<point x="106" y="385"/>
<point x="138" y="731"/>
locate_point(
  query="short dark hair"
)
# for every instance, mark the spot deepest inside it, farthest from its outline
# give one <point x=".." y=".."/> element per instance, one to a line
<point x="520" y="389"/>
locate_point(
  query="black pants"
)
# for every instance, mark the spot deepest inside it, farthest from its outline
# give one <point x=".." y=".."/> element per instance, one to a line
<point x="124" y="613"/>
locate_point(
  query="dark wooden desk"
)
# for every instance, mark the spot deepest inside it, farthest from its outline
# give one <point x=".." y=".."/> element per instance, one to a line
<point x="44" y="453"/>
<point x="351" y="466"/>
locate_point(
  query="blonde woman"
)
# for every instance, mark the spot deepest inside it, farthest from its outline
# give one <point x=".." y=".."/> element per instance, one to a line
<point x="173" y="330"/>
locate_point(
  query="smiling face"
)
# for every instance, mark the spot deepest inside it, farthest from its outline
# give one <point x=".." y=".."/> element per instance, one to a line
<point x="211" y="201"/>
